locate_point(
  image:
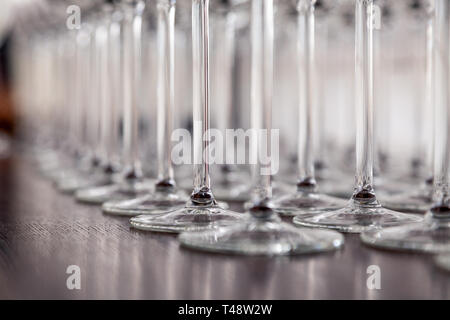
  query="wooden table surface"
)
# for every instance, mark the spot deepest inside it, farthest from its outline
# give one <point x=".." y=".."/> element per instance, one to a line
<point x="42" y="232"/>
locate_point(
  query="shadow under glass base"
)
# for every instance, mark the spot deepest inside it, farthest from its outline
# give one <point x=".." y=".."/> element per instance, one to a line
<point x="418" y="201"/>
<point x="254" y="236"/>
<point x="114" y="192"/>
<point x="306" y="204"/>
<point x="156" y="202"/>
<point x="190" y="218"/>
<point x="432" y="235"/>
<point x="357" y="218"/>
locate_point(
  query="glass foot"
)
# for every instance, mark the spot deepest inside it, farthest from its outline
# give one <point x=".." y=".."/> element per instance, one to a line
<point x="306" y="204"/>
<point x="356" y="218"/>
<point x="189" y="218"/>
<point x="157" y="202"/>
<point x="56" y="173"/>
<point x="232" y="192"/>
<point x="113" y="192"/>
<point x="336" y="185"/>
<point x="232" y="185"/>
<point x="279" y="189"/>
<point x="263" y="237"/>
<point x="432" y="235"/>
<point x="74" y="182"/>
<point x="416" y="201"/>
<point x="443" y="261"/>
<point x="392" y="187"/>
<point x="337" y="190"/>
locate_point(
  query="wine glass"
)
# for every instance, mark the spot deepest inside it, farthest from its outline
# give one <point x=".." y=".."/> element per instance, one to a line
<point x="125" y="32"/>
<point x="165" y="196"/>
<point x="202" y="210"/>
<point x="334" y="168"/>
<point x="262" y="232"/>
<point x="433" y="233"/>
<point x="230" y="181"/>
<point x="420" y="199"/>
<point x="363" y="210"/>
<point x="87" y="170"/>
<point x="306" y="200"/>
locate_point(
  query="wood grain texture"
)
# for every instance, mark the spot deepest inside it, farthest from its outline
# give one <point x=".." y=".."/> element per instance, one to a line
<point x="42" y="232"/>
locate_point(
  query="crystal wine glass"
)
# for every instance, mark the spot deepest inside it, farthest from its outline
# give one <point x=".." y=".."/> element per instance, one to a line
<point x="262" y="232"/>
<point x="125" y="31"/>
<point x="230" y="181"/>
<point x="87" y="170"/>
<point x="433" y="233"/>
<point x="420" y="199"/>
<point x="306" y="200"/>
<point x="165" y="196"/>
<point x="363" y="210"/>
<point x="202" y="210"/>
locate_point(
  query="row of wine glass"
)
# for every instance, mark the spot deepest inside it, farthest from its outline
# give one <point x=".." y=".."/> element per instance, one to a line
<point x="84" y="111"/>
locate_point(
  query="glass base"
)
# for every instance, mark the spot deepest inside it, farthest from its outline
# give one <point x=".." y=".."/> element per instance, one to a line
<point x="56" y="173"/>
<point x="418" y="201"/>
<point x="336" y="190"/>
<point x="232" y="192"/>
<point x="279" y="189"/>
<point x="74" y="182"/>
<point x="157" y="202"/>
<point x="190" y="218"/>
<point x="334" y="184"/>
<point x="356" y="218"/>
<point x="263" y="237"/>
<point x="113" y="192"/>
<point x="443" y="261"/>
<point x="52" y="169"/>
<point x="432" y="235"/>
<point x="306" y="204"/>
<point x="391" y="187"/>
<point x="232" y="185"/>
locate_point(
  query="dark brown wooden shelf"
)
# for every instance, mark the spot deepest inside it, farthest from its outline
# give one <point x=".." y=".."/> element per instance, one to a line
<point x="42" y="232"/>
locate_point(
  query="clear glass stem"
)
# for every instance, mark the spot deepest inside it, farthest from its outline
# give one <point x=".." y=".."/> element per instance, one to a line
<point x="106" y="111"/>
<point x="262" y="35"/>
<point x="132" y="21"/>
<point x="305" y="51"/>
<point x="224" y="65"/>
<point x="77" y="100"/>
<point x="165" y="91"/>
<point x="83" y="80"/>
<point x="115" y="81"/>
<point x="201" y="97"/>
<point x="364" y="100"/>
<point x="429" y="86"/>
<point x="93" y="118"/>
<point x="442" y="109"/>
<point x="320" y="77"/>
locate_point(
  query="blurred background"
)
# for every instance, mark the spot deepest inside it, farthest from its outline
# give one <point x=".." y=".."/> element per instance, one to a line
<point x="402" y="114"/>
<point x="6" y="102"/>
